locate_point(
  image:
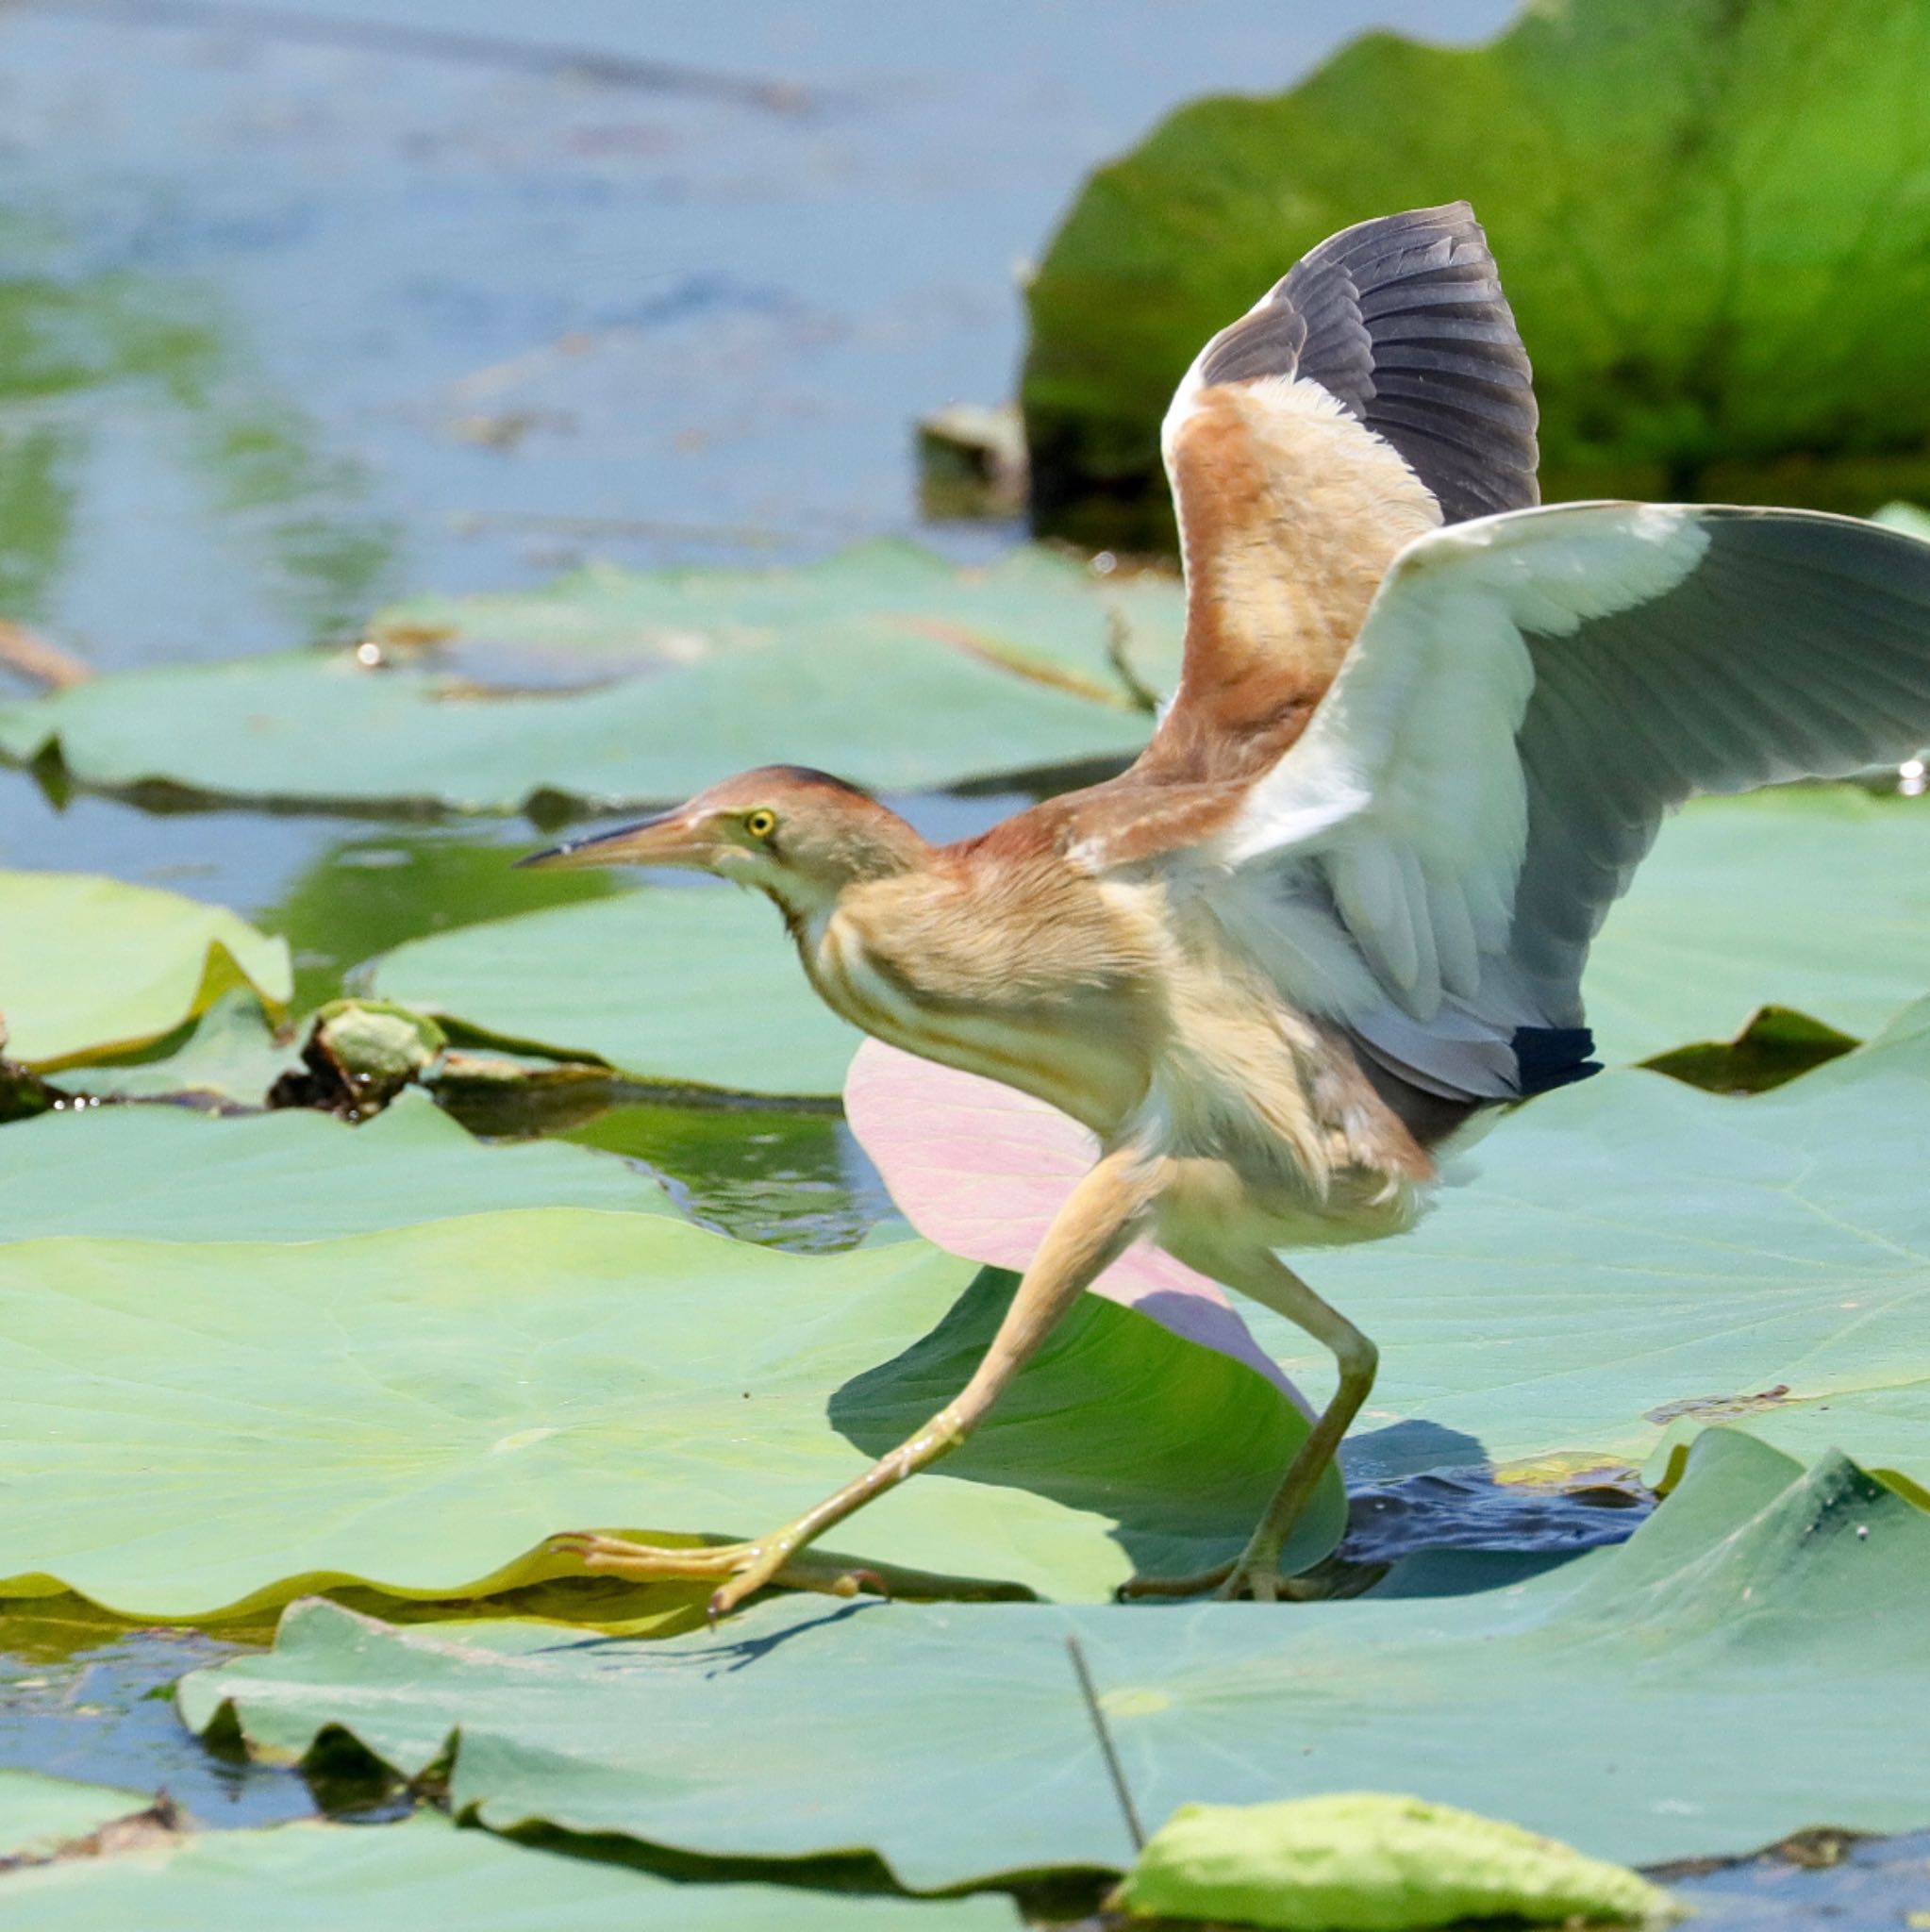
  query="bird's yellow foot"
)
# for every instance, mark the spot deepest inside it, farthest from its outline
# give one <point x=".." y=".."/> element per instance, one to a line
<point x="1198" y="1583"/>
<point x="740" y="1570"/>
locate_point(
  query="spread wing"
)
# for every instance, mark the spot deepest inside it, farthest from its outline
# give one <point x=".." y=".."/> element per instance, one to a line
<point x="1378" y="391"/>
<point x="1528" y="695"/>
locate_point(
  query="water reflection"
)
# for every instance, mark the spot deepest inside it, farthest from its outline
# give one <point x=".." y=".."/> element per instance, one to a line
<point x="121" y="383"/>
<point x="795" y="1180"/>
<point x="86" y="1701"/>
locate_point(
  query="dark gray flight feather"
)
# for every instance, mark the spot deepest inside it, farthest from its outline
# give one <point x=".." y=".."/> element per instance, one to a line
<point x="1403" y="322"/>
<point x="1799" y="647"/>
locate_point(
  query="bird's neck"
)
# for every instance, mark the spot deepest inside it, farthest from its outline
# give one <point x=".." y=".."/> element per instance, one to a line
<point x="812" y="883"/>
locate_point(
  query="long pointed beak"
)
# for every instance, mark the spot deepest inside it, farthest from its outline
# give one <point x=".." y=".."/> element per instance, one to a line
<point x="669" y="839"/>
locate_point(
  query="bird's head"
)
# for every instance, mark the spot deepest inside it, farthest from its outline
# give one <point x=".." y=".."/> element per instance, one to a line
<point x="799" y="835"/>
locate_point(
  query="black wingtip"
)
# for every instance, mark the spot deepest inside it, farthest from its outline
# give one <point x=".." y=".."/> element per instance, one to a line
<point x="1551" y="1056"/>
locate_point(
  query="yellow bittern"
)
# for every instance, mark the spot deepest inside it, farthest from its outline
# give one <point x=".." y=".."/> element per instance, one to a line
<point x="1425" y="731"/>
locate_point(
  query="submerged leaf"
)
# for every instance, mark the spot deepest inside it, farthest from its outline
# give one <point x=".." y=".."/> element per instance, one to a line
<point x="1369" y="1862"/>
<point x="91" y="968"/>
<point x="1690" y="204"/>
<point x="1639" y="1701"/>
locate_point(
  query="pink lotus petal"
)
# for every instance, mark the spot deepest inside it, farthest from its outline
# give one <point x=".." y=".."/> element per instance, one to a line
<point x="980" y="1169"/>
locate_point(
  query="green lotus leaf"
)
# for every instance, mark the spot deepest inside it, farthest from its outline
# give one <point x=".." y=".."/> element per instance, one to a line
<point x="897" y="694"/>
<point x="689" y="986"/>
<point x="39" y="1814"/>
<point x="194" y="1426"/>
<point x="288" y="1177"/>
<point x="227" y="1058"/>
<point x="1689" y="203"/>
<point x="1816" y="898"/>
<point x="316" y="1878"/>
<point x="1033" y="610"/>
<point x="91" y="968"/>
<point x="1639" y="1702"/>
<point x="364" y="895"/>
<point x="1631" y="1258"/>
<point x="1371" y="1861"/>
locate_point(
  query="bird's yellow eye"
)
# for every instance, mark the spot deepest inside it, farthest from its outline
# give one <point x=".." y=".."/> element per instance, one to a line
<point x="760" y="825"/>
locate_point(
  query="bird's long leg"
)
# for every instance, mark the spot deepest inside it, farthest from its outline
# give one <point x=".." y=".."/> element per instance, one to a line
<point x="1257" y="1572"/>
<point x="1096" y="1225"/>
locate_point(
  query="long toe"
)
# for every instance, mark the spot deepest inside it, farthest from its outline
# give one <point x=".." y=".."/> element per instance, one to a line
<point x="615" y="1555"/>
<point x="1198" y="1583"/>
<point x="738" y="1569"/>
<point x="1259" y="1582"/>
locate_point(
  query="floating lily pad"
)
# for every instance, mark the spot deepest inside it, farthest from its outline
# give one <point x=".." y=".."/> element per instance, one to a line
<point x="389" y="884"/>
<point x="1811" y="897"/>
<point x="1632" y="1256"/>
<point x="225" y="1060"/>
<point x="1676" y="197"/>
<point x="289" y="1177"/>
<point x="1035" y="611"/>
<point x="91" y="968"/>
<point x="39" y="1814"/>
<point x="315" y="1877"/>
<point x="194" y="1426"/>
<point x="690" y="986"/>
<point x="1639" y="1703"/>
<point x="899" y="695"/>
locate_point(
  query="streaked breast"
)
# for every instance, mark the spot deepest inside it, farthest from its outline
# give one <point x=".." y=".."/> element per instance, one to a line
<point x="1050" y="1056"/>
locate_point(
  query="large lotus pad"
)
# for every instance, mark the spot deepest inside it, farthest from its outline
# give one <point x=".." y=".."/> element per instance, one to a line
<point x="197" y="1424"/>
<point x="1639" y="1703"/>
